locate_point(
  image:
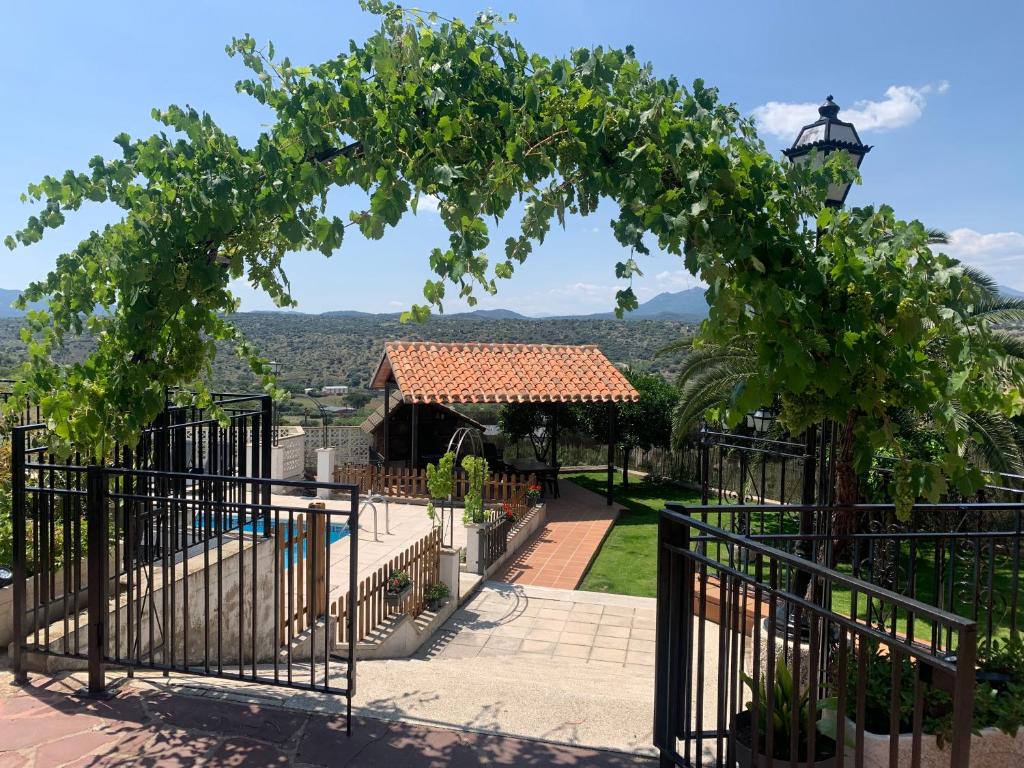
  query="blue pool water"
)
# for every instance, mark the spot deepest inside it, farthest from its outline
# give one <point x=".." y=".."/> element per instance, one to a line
<point x="335" y="532"/>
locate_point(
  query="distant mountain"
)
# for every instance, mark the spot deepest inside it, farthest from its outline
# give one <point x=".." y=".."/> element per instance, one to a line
<point x="687" y="306"/>
<point x="1012" y="293"/>
<point x="357" y="313"/>
<point x="493" y="314"/>
<point x="6" y="297"/>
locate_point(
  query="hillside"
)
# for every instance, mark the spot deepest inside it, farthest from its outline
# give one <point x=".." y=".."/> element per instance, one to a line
<point x="315" y="350"/>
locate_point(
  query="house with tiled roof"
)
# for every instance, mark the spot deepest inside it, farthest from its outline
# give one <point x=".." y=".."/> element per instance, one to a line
<point x="425" y="373"/>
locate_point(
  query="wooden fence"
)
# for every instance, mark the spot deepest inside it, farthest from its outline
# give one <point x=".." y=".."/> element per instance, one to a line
<point x="294" y="574"/>
<point x="422" y="561"/>
<point x="403" y="482"/>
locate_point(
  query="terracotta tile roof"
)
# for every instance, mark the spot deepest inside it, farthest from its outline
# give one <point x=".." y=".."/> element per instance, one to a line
<point x="431" y="372"/>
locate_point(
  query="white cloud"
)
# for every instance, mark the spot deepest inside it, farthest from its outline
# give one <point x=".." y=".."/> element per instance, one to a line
<point x="1000" y="254"/>
<point x="428" y="203"/>
<point x="901" y="106"/>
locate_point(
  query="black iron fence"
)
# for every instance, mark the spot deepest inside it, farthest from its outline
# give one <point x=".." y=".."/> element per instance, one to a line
<point x="494" y="537"/>
<point x="26" y="412"/>
<point x="180" y="554"/>
<point x="763" y="652"/>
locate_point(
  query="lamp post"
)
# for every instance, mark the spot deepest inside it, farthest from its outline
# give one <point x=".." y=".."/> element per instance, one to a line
<point x="323" y="417"/>
<point x="275" y="369"/>
<point x="761" y="420"/>
<point x="819" y="139"/>
<point x="815" y="142"/>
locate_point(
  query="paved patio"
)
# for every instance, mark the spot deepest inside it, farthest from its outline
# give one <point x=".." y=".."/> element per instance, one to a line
<point x="147" y="724"/>
<point x="559" y="554"/>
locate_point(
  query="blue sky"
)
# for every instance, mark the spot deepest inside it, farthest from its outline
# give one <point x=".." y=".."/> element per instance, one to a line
<point x="933" y="85"/>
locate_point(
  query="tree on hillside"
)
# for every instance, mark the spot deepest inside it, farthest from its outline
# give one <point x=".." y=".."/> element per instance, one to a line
<point x="646" y="423"/>
<point x="466" y="114"/>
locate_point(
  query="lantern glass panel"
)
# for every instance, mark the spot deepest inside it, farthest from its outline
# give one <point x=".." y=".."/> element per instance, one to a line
<point x="840" y="132"/>
<point x="811" y="134"/>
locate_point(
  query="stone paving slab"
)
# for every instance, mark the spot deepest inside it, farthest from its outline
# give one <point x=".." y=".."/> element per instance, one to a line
<point x="43" y="726"/>
<point x="591" y="627"/>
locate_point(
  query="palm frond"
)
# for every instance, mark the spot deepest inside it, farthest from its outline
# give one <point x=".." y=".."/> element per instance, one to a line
<point x="982" y="279"/>
<point x="998" y="445"/>
<point x="679" y="345"/>
<point x="1011" y="342"/>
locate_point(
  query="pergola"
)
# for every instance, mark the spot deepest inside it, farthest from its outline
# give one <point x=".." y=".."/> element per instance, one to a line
<point x="424" y="372"/>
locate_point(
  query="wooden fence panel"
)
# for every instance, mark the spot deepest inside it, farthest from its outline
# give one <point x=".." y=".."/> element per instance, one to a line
<point x="422" y="560"/>
<point x="403" y="482"/>
<point x="303" y="594"/>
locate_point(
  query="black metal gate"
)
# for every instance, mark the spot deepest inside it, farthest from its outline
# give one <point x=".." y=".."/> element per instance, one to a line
<point x="183" y="555"/>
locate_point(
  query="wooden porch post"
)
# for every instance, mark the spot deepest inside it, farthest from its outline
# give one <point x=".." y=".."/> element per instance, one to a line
<point x="554" y="435"/>
<point x="387" y="418"/>
<point x="415" y="449"/>
<point x="610" y="488"/>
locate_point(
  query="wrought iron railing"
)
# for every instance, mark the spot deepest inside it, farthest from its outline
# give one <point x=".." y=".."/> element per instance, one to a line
<point x="179" y="571"/>
<point x="494" y="537"/>
<point x="728" y="613"/>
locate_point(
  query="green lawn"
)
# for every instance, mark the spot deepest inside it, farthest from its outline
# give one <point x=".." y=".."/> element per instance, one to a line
<point x="627" y="562"/>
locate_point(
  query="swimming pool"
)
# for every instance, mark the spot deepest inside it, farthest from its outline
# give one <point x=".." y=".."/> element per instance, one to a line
<point x="335" y="531"/>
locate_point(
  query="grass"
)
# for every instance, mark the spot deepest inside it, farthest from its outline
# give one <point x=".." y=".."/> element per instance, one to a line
<point x="627" y="562"/>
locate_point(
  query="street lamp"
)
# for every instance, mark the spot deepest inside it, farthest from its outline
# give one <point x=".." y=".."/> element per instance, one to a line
<point x="814" y="144"/>
<point x="826" y="135"/>
<point x="275" y="369"/>
<point x="761" y="420"/>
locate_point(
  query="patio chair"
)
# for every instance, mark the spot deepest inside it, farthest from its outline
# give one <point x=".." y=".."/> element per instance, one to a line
<point x="551" y="481"/>
<point x="494" y="460"/>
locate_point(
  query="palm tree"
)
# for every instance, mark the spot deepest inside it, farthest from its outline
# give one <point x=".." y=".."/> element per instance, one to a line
<point x="711" y="373"/>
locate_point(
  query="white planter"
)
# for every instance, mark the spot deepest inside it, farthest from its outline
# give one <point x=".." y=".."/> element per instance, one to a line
<point x="990" y="749"/>
<point x="473" y="561"/>
<point x="324" y="470"/>
<point x="450" y="571"/>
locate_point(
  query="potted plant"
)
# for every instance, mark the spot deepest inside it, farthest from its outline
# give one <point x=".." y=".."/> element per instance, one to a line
<point x="440" y="485"/>
<point x="533" y="492"/>
<point x="786" y="701"/>
<point x="476" y="472"/>
<point x="436" y="595"/>
<point x="997" y="738"/>
<point x="510" y="513"/>
<point x="399" y="585"/>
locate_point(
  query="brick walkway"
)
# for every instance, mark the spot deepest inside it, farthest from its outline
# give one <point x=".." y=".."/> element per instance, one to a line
<point x="559" y="553"/>
<point x="42" y="726"/>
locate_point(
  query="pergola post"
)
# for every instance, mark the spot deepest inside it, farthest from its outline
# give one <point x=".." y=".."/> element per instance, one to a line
<point x="387" y="418"/>
<point x="610" y="489"/>
<point x="415" y="449"/>
<point x="554" y="435"/>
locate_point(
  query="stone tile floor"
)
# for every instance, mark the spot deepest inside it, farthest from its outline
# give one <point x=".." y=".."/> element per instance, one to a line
<point x="559" y="554"/>
<point x="609" y="630"/>
<point x="43" y="726"/>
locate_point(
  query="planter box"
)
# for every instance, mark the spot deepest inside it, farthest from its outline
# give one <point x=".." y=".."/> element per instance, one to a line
<point x="745" y="758"/>
<point x="991" y="748"/>
<point x="397" y="597"/>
